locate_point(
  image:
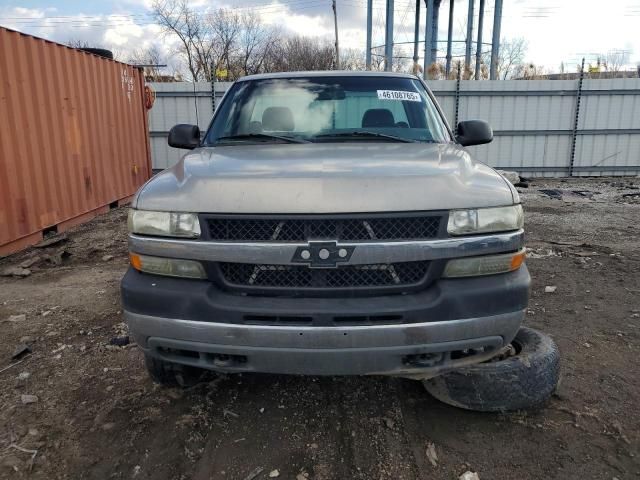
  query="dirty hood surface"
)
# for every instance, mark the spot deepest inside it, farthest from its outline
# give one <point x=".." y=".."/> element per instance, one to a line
<point x="325" y="178"/>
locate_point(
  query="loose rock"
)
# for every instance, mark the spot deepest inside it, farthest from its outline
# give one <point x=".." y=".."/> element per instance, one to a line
<point x="431" y="454"/>
<point x="16" y="272"/>
<point x="274" y="473"/>
<point x="20" y="351"/>
<point x="120" y="341"/>
<point x="17" y="318"/>
<point x="30" y="262"/>
<point x="513" y="177"/>
<point x="27" y="399"/>
<point x="106" y="258"/>
<point x="468" y="475"/>
<point x="550" y="289"/>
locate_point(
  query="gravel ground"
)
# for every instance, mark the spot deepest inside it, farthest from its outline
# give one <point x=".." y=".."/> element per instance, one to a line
<point x="97" y="415"/>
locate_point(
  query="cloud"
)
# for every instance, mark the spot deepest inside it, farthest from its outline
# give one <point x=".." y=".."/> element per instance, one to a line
<point x="556" y="31"/>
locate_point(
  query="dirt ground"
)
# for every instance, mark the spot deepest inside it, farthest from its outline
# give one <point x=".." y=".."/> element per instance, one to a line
<point x="98" y="416"/>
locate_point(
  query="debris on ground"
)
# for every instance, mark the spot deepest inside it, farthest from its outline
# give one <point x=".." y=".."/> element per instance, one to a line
<point x="513" y="177"/>
<point x="254" y="473"/>
<point x="120" y="341"/>
<point x="274" y="473"/>
<point x="30" y="262"/>
<point x="229" y="413"/>
<point x="431" y="454"/>
<point x="51" y="241"/>
<point x="15" y="272"/>
<point x="469" y="475"/>
<point x="58" y="257"/>
<point x="17" y="318"/>
<point x="20" y="351"/>
<point x="107" y="258"/>
<point x="27" y="399"/>
<point x="541" y="253"/>
<point x="550" y="288"/>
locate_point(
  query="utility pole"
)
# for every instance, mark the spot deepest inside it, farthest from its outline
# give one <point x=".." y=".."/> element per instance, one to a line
<point x="335" y="21"/>
<point x="369" y="28"/>
<point x="447" y="69"/>
<point x="467" y="47"/>
<point x="479" y="42"/>
<point x="495" y="42"/>
<point x="388" y="37"/>
<point x="416" y="39"/>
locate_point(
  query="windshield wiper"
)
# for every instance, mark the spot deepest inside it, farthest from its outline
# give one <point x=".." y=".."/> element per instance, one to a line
<point x="261" y="136"/>
<point x="364" y="133"/>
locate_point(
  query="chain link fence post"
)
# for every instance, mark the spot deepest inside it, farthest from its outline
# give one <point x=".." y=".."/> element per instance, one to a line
<point x="574" y="133"/>
<point x="455" y="123"/>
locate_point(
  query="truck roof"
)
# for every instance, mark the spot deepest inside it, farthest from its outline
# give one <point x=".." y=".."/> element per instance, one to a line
<point x="326" y="73"/>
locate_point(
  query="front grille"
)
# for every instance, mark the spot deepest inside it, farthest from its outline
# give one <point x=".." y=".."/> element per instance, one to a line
<point x="398" y="228"/>
<point x="351" y="276"/>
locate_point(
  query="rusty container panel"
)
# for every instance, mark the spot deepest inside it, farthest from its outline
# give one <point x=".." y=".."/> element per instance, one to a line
<point x="73" y="137"/>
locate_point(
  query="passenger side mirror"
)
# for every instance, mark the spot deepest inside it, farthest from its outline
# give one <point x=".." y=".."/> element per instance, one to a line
<point x="474" y="132"/>
<point x="184" y="136"/>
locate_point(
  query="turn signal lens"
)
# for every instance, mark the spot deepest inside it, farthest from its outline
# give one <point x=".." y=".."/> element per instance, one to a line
<point x="171" y="267"/>
<point x="485" y="265"/>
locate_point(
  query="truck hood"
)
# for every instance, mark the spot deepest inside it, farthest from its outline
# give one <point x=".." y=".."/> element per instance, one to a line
<point x="325" y="178"/>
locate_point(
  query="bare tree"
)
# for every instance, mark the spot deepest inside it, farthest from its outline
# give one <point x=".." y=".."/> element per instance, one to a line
<point x="225" y="27"/>
<point x="77" y="43"/>
<point x="300" y="53"/>
<point x="352" y="59"/>
<point x="529" y="71"/>
<point x="254" y="42"/>
<point x="150" y="58"/>
<point x="615" y="60"/>
<point x="512" y="54"/>
<point x="177" y="18"/>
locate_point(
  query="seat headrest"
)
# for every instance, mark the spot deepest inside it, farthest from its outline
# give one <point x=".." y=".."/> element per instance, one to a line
<point x="378" y="117"/>
<point x="277" y="119"/>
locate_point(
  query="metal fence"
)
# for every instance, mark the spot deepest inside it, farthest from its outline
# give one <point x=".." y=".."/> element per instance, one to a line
<point x="541" y="127"/>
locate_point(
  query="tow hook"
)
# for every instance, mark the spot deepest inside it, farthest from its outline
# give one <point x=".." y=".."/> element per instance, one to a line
<point x="423" y="360"/>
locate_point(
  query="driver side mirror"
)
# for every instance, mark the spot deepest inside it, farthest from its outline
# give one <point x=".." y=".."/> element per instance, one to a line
<point x="474" y="132"/>
<point x="184" y="136"/>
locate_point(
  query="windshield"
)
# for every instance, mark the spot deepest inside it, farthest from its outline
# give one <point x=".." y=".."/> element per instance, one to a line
<point x="327" y="109"/>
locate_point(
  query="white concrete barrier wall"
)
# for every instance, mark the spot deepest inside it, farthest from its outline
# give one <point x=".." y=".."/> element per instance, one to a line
<point x="534" y="122"/>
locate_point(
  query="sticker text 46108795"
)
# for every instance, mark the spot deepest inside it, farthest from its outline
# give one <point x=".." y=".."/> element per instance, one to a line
<point x="398" y="95"/>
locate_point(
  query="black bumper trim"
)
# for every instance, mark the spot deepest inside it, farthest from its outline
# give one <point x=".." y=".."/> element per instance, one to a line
<point x="446" y="299"/>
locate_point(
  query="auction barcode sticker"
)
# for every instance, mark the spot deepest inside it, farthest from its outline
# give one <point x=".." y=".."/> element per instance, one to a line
<point x="398" y="95"/>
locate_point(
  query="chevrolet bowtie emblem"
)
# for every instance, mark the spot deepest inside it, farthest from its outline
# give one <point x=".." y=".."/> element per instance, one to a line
<point x="322" y="254"/>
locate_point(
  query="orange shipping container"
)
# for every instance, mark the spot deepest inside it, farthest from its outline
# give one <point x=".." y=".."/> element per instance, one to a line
<point x="73" y="137"/>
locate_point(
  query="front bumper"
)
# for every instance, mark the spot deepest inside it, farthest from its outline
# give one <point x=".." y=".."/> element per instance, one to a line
<point x="450" y="324"/>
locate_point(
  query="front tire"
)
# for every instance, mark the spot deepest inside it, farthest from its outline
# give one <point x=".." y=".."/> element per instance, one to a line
<point x="525" y="380"/>
<point x="172" y="374"/>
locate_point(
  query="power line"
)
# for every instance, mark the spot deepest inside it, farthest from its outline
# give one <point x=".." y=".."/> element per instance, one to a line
<point x="96" y="21"/>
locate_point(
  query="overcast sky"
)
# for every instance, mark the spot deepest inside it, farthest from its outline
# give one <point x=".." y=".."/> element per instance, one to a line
<point x="556" y="31"/>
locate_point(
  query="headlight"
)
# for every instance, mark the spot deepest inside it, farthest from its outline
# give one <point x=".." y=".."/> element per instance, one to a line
<point x="166" y="224"/>
<point x="483" y="220"/>
<point x="171" y="267"/>
<point x="485" y="265"/>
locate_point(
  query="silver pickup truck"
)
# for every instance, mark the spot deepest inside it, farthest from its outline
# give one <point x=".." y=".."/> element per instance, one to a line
<point x="331" y="223"/>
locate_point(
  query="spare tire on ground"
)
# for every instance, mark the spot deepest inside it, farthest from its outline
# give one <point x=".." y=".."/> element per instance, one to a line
<point x="521" y="381"/>
<point x="102" y="52"/>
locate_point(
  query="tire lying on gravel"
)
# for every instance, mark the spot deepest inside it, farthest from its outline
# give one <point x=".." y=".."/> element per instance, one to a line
<point x="172" y="374"/>
<point x="524" y="380"/>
